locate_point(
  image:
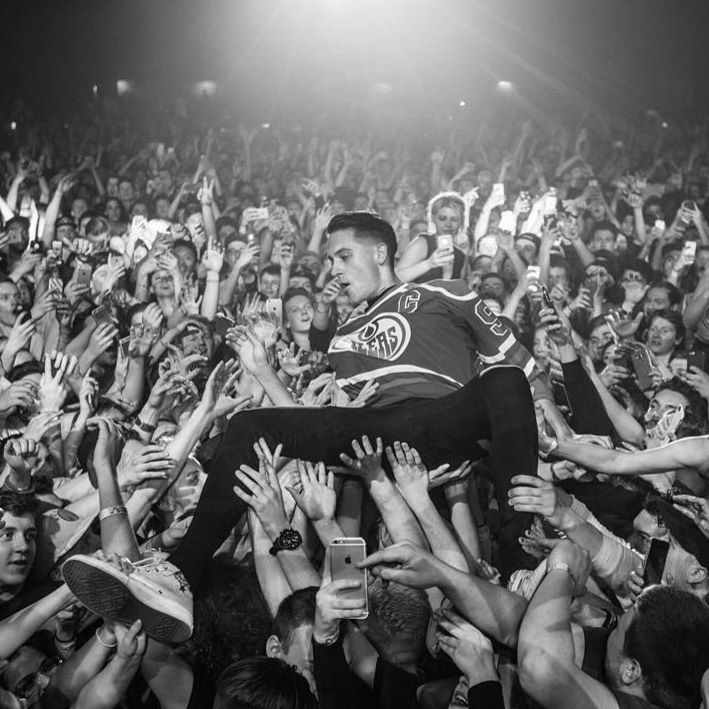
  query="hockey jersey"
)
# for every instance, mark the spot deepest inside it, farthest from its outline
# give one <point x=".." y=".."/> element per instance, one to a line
<point x="422" y="341"/>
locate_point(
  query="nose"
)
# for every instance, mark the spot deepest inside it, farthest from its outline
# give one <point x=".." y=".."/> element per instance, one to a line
<point x="336" y="270"/>
<point x="20" y="543"/>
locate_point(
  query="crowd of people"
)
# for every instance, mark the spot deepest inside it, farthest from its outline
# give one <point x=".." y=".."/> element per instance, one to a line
<point x="476" y="360"/>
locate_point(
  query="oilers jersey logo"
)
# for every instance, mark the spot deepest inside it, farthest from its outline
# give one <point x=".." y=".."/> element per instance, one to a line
<point x="385" y="336"/>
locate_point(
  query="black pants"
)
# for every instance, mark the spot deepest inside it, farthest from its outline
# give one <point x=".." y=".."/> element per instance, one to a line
<point x="496" y="406"/>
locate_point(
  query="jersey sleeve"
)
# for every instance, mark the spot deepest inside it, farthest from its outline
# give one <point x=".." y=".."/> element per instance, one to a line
<point x="495" y="341"/>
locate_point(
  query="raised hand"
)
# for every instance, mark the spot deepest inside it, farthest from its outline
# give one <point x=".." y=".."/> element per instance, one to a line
<point x="694" y="508"/>
<point x="20" y="335"/>
<point x="18" y="394"/>
<point x="21" y="455"/>
<point x="406" y="564"/>
<point x="101" y="340"/>
<point x="367" y="463"/>
<point x="131" y="642"/>
<point x="213" y="257"/>
<point x="149" y="462"/>
<point x="88" y="397"/>
<point x="52" y="387"/>
<point x="537" y="496"/>
<point x="252" y="353"/>
<point x="40" y="424"/>
<point x="623" y="325"/>
<point x="409" y="471"/>
<point x="318" y="498"/>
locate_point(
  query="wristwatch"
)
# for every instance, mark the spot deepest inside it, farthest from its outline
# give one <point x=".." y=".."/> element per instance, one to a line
<point x="287" y="540"/>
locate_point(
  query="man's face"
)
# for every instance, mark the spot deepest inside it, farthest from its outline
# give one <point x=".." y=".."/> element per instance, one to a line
<point x="299" y="313"/>
<point x="66" y="233"/>
<point x="681" y="568"/>
<point x="196" y="341"/>
<point x="162" y="283"/>
<point x="126" y="193"/>
<point x="527" y="250"/>
<point x="17" y="550"/>
<point x="9" y="303"/>
<point x="301" y="282"/>
<point x="355" y="263"/>
<point x="492" y="287"/>
<point x="661" y="336"/>
<point x="663" y="403"/>
<point x="185" y="259"/>
<point x="603" y="239"/>
<point x="300" y="649"/>
<point x="656" y="299"/>
<point x="78" y="207"/>
<point x="601" y="336"/>
<point x="270" y="285"/>
<point x="162" y="208"/>
<point x="558" y="277"/>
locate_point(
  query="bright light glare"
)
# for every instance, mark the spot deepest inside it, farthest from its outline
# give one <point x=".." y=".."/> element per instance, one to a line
<point x="505" y="85"/>
<point x="665" y="124"/>
<point x="123" y="87"/>
<point x="265" y="126"/>
<point x="204" y="88"/>
<point x="462" y="104"/>
<point x="13" y="126"/>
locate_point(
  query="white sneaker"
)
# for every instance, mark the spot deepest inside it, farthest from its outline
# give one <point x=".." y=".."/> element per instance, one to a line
<point x="154" y="590"/>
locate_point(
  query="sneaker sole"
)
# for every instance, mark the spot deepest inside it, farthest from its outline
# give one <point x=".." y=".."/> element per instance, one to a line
<point x="102" y="590"/>
<point x="157" y="624"/>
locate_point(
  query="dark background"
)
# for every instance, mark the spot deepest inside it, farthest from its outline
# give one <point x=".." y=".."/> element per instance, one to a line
<point x="273" y="58"/>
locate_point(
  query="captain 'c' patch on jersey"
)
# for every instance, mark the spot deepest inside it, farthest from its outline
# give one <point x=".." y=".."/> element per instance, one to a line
<point x="409" y="302"/>
<point x="385" y="336"/>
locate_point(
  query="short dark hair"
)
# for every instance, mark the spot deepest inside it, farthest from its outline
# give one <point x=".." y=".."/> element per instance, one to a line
<point x="294" y="293"/>
<point x="672" y="317"/>
<point x="263" y="683"/>
<point x="186" y="244"/>
<point x="272" y="270"/>
<point x="18" y="504"/>
<point x="695" y="413"/>
<point x="673" y="293"/>
<point x="295" y="610"/>
<point x="604" y="225"/>
<point x="669" y="639"/>
<point x="367" y="226"/>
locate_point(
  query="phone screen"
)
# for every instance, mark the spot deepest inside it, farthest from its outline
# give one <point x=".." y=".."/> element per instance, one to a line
<point x="83" y="274"/>
<point x="697" y="359"/>
<point x="345" y="553"/>
<point x="655" y="561"/>
<point x="643" y="368"/>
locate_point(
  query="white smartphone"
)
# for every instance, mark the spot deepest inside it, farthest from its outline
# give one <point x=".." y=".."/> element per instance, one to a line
<point x="345" y="554"/>
<point x="660" y="224"/>
<point x="274" y="307"/>
<point x="445" y="241"/>
<point x="508" y="222"/>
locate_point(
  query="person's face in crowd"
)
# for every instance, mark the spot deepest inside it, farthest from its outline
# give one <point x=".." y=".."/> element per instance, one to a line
<point x="344" y="308"/>
<point x="485" y="180"/>
<point x="701" y="263"/>
<point x="24" y="293"/>
<point x="447" y="220"/>
<point x="669" y="262"/>
<point x="621" y="244"/>
<point x="17" y="550"/>
<point x="270" y="285"/>
<point x="558" y="276"/>
<point x="459" y="698"/>
<point x="664" y="402"/>
<point x="197" y="340"/>
<point x="661" y="337"/>
<point x="299" y="314"/>
<point x="162" y="283"/>
<point x="627" y="226"/>
<point x="66" y="233"/>
<point x="600" y="337"/>
<point x="298" y="653"/>
<point x="603" y="239"/>
<point x="139" y="209"/>
<point x="112" y="186"/>
<point x="162" y="208"/>
<point x="301" y="282"/>
<point x="683" y="570"/>
<point x="492" y="286"/>
<point x="527" y="249"/>
<point x="540" y="348"/>
<point x="78" y="207"/>
<point x="233" y="251"/>
<point x="164" y="182"/>
<point x="28" y="675"/>
<point x="186" y="260"/>
<point x="381" y="199"/>
<point x="9" y="303"/>
<point x="294" y="208"/>
<point x="656" y="299"/>
<point x="113" y="210"/>
<point x="126" y="192"/>
<point x="596" y="210"/>
<point x="310" y="262"/>
<point x="507" y="270"/>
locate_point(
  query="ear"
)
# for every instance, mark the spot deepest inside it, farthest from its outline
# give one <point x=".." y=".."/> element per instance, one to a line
<point x="697" y="574"/>
<point x="273" y="647"/>
<point x="630" y="672"/>
<point x="381" y="253"/>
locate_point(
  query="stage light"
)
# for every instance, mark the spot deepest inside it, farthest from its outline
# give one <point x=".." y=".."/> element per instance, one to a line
<point x="13" y="126"/>
<point x="665" y="124"/>
<point x="123" y="87"/>
<point x="265" y="126"/>
<point x="94" y="90"/>
<point x="204" y="88"/>
<point x="505" y="85"/>
<point x="462" y="104"/>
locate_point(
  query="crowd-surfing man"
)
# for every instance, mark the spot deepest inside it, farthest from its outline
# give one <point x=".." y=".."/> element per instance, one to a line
<point x="293" y="421"/>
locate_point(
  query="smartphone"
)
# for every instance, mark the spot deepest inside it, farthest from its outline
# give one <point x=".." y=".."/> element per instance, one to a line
<point x="102" y="316"/>
<point x="697" y="359"/>
<point x="253" y="214"/>
<point x="57" y="248"/>
<point x="533" y="273"/>
<point x="83" y="273"/>
<point x="508" y="222"/>
<point x="445" y="241"/>
<point x="655" y="561"/>
<point x="689" y="251"/>
<point x="345" y="553"/>
<point x="546" y="299"/>
<point x="124" y="346"/>
<point x="660" y="224"/>
<point x="642" y="365"/>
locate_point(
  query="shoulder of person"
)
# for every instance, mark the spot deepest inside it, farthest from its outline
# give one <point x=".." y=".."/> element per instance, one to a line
<point x="455" y="288"/>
